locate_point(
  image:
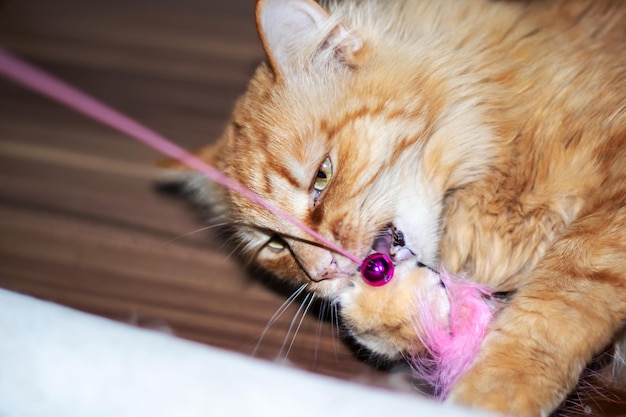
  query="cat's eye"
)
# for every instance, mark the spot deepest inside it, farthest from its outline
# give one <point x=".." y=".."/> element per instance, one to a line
<point x="324" y="174"/>
<point x="276" y="244"/>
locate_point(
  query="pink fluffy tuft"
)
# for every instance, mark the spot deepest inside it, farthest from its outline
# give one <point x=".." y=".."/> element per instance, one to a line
<point x="452" y="342"/>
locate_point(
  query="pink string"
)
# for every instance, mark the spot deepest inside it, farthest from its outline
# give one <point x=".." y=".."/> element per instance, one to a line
<point x="31" y="77"/>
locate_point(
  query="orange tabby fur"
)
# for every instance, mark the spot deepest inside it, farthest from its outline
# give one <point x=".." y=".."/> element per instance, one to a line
<point x="492" y="134"/>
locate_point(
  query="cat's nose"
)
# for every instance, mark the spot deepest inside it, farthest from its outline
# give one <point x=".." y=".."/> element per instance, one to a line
<point x="321" y="264"/>
<point x="335" y="269"/>
<point x="329" y="272"/>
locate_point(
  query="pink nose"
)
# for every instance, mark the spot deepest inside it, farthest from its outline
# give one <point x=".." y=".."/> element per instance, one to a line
<point x="327" y="273"/>
<point x="335" y="269"/>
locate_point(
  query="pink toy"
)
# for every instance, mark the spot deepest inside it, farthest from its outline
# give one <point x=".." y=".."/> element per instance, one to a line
<point x="377" y="269"/>
<point x="452" y="344"/>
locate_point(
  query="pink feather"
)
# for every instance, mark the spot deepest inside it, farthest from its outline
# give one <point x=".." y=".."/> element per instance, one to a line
<point x="452" y="343"/>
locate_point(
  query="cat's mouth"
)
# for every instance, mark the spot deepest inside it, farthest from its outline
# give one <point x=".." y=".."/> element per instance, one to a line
<point x="390" y="241"/>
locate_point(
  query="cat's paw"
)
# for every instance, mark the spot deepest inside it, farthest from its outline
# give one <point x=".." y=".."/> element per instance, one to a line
<point x="508" y="379"/>
<point x="383" y="319"/>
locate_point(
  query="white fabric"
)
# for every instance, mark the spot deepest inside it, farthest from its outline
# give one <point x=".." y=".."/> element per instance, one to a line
<point x="55" y="361"/>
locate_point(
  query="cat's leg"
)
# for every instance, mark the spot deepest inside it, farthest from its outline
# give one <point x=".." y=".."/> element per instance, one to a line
<point x="568" y="311"/>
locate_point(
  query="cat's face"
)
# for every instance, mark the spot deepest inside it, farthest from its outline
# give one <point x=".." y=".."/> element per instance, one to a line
<point x="344" y="165"/>
<point x="356" y="153"/>
<point x="346" y="168"/>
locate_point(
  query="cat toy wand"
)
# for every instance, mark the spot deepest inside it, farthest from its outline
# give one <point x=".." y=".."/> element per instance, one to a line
<point x="376" y="269"/>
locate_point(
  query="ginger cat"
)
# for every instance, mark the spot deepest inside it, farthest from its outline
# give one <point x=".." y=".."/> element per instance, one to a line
<point x="484" y="137"/>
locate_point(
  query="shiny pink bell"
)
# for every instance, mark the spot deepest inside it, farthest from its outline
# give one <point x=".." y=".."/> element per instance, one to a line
<point x="377" y="269"/>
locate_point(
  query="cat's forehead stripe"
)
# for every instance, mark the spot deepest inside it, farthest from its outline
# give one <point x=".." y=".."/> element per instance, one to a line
<point x="389" y="112"/>
<point x="285" y="173"/>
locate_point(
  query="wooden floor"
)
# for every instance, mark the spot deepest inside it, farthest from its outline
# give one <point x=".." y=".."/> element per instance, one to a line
<point x="81" y="222"/>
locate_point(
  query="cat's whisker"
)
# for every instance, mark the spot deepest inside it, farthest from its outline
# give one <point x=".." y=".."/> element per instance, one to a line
<point x="618" y="361"/>
<point x="586" y="395"/>
<point x="304" y="313"/>
<point x="334" y="324"/>
<point x="235" y="248"/>
<point x="318" y="335"/>
<point x="574" y="406"/>
<point x="284" y="306"/>
<point x="193" y="232"/>
<point x="295" y="317"/>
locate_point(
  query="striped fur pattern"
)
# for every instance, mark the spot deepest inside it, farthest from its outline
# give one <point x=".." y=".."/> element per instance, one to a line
<point x="486" y="137"/>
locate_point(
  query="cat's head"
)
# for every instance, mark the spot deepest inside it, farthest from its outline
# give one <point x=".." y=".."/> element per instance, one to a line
<point x="337" y="131"/>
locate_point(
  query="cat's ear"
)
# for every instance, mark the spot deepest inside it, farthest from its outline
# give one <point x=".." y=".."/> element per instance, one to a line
<point x="283" y="24"/>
